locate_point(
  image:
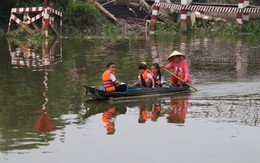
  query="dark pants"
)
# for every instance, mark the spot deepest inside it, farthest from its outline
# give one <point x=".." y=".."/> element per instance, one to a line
<point x="121" y="88"/>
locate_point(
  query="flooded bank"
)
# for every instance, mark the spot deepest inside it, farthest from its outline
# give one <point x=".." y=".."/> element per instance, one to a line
<point x="44" y="115"/>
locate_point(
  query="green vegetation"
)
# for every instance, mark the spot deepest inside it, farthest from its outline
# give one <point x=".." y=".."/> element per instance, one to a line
<point x="232" y="28"/>
<point x="1" y="32"/>
<point x="83" y="17"/>
<point x="20" y="35"/>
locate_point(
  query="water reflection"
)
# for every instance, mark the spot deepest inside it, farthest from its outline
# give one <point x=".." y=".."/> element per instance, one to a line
<point x="149" y="112"/>
<point x="23" y="126"/>
<point x="169" y="109"/>
<point x="109" y="118"/>
<point x="241" y="61"/>
<point x="229" y="109"/>
<point x="43" y="123"/>
<point x="41" y="96"/>
<point x="178" y="110"/>
<point x="31" y="57"/>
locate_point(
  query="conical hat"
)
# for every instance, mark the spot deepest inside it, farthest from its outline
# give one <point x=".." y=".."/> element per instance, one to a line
<point x="176" y="53"/>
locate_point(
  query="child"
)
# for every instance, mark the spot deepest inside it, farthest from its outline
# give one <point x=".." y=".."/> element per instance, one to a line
<point x="158" y="78"/>
<point x="145" y="78"/>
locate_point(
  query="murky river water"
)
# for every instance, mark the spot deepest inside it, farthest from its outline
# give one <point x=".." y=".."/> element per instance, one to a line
<point x="44" y="116"/>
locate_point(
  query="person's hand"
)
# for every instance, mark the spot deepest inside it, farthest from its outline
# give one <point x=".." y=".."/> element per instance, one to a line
<point x="184" y="82"/>
<point x="153" y="87"/>
<point x="129" y="85"/>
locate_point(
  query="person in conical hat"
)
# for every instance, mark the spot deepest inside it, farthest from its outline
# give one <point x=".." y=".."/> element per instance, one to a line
<point x="179" y="67"/>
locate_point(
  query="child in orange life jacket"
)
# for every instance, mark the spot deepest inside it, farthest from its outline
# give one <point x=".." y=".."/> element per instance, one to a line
<point x="158" y="78"/>
<point x="109" y="79"/>
<point x="179" y="67"/>
<point x="145" y="77"/>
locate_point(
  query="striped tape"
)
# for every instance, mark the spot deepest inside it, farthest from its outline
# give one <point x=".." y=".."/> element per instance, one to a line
<point x="36" y="9"/>
<point x="209" y="8"/>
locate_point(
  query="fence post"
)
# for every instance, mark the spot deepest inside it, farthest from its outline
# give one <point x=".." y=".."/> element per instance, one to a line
<point x="240" y="11"/>
<point x="153" y="22"/>
<point x="245" y="16"/>
<point x="45" y="22"/>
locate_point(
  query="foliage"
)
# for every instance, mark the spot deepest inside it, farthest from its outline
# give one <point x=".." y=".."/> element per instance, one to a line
<point x="83" y="17"/>
<point x="123" y="2"/>
<point x="168" y="27"/>
<point x="251" y="27"/>
<point x="1" y="32"/>
<point x="230" y="29"/>
<point x="110" y="31"/>
<point x="20" y="35"/>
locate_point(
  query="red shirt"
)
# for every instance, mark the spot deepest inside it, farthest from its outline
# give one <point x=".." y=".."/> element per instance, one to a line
<point x="182" y="67"/>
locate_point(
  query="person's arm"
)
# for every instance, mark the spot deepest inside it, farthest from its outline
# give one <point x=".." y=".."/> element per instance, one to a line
<point x="136" y="83"/>
<point x="186" y="71"/>
<point x="168" y="66"/>
<point x="163" y="81"/>
<point x="150" y="76"/>
<point x="113" y="78"/>
<point x="153" y="83"/>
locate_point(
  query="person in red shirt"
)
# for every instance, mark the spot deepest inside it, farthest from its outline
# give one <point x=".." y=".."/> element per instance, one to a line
<point x="179" y="67"/>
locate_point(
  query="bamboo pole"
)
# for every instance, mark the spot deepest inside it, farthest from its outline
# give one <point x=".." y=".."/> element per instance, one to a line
<point x="105" y="11"/>
<point x="180" y="79"/>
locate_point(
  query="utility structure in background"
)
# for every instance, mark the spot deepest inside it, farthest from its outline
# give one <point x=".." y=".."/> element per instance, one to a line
<point x="29" y="18"/>
<point x="243" y="9"/>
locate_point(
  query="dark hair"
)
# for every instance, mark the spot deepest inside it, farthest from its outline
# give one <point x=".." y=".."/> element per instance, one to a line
<point x="156" y="65"/>
<point x="142" y="67"/>
<point x="109" y="64"/>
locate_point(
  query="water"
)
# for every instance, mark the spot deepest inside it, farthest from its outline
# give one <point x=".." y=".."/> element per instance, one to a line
<point x="44" y="115"/>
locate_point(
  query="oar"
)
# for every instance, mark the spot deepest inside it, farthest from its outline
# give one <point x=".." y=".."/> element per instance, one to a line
<point x="180" y="79"/>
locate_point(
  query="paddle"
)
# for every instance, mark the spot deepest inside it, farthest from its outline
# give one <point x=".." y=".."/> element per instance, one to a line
<point x="180" y="79"/>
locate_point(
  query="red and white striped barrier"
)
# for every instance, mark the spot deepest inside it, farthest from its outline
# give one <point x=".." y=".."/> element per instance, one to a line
<point x="210" y="7"/>
<point x="46" y="13"/>
<point x="35" y="10"/>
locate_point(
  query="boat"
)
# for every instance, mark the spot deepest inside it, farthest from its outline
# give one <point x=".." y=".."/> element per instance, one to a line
<point x="101" y="94"/>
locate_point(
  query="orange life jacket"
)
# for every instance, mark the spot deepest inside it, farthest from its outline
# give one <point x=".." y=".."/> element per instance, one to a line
<point x="144" y="76"/>
<point x="107" y="82"/>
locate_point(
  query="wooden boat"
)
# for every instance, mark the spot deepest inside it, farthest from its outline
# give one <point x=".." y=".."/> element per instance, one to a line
<point x="100" y="94"/>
